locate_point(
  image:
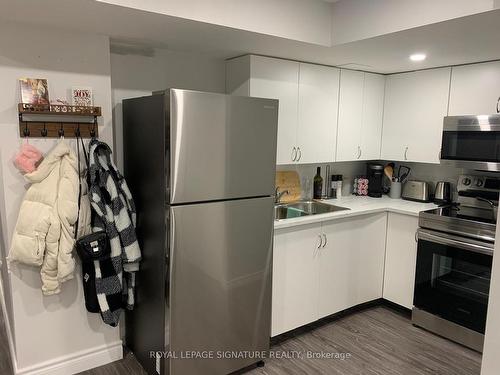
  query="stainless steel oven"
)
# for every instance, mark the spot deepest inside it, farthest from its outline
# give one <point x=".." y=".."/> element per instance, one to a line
<point x="454" y="257"/>
<point x="452" y="283"/>
<point x="471" y="142"/>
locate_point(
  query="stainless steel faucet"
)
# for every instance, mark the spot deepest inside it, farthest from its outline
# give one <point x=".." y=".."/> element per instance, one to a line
<point x="280" y="194"/>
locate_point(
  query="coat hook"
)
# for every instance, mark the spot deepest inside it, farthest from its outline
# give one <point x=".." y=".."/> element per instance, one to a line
<point x="92" y="131"/>
<point x="44" y="130"/>
<point x="77" y="131"/>
<point x="61" y="131"/>
<point x="26" y="132"/>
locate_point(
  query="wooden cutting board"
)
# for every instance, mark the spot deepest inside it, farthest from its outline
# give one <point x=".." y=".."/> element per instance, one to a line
<point x="289" y="180"/>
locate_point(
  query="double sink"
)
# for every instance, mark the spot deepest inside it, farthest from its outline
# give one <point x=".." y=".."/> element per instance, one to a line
<point x="303" y="208"/>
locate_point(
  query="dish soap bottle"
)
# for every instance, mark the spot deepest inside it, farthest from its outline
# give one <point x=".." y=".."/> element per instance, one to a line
<point x="317" y="184"/>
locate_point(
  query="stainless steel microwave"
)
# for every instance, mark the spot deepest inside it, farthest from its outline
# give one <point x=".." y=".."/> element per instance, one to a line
<point x="471" y="142"/>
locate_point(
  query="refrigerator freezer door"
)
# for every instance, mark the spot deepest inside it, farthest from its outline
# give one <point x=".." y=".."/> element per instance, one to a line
<point x="220" y="289"/>
<point x="221" y="146"/>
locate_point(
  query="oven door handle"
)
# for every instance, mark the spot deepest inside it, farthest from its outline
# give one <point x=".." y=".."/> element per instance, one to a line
<point x="446" y="239"/>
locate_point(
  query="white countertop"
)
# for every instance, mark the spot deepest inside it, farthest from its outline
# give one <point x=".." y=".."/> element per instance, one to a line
<point x="359" y="206"/>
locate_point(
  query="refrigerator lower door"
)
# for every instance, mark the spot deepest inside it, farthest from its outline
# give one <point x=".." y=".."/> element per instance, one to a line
<point x="220" y="285"/>
<point x="222" y="146"/>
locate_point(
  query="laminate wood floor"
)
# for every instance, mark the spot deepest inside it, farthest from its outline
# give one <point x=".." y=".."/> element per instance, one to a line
<point x="376" y="341"/>
<point x="5" y="362"/>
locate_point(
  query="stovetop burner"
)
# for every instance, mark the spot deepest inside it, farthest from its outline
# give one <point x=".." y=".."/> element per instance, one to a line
<point x="466" y="213"/>
<point x="460" y="220"/>
<point x="470" y="217"/>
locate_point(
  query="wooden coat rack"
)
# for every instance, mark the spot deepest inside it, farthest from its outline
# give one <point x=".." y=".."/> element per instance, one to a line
<point x="56" y="120"/>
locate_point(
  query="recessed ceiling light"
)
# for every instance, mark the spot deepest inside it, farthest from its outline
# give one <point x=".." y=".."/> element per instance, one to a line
<point x="418" y="57"/>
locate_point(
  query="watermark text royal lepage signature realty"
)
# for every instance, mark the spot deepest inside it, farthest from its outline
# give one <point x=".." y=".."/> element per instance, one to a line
<point x="247" y="354"/>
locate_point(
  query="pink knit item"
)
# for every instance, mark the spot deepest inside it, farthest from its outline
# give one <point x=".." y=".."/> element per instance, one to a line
<point x="28" y="158"/>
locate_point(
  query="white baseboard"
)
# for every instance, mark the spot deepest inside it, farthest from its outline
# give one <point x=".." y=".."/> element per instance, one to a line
<point x="77" y="362"/>
<point x="7" y="324"/>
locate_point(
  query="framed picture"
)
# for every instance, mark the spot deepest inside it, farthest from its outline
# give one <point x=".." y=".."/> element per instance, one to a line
<point x="34" y="91"/>
<point x="82" y="96"/>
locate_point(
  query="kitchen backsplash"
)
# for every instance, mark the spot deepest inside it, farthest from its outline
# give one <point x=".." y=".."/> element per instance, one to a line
<point x="349" y="170"/>
<point x="431" y="173"/>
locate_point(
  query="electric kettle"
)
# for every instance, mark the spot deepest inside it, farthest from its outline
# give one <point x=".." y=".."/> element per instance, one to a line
<point x="442" y="194"/>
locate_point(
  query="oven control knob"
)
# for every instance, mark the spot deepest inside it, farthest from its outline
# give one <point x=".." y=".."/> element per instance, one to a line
<point x="479" y="182"/>
<point x="466" y="181"/>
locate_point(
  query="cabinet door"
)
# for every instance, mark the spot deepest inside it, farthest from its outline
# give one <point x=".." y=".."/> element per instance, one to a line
<point x="415" y="104"/>
<point x="400" y="259"/>
<point x="351" y="265"/>
<point x="475" y="89"/>
<point x="350" y="115"/>
<point x="279" y="79"/>
<point x="318" y="107"/>
<point x="295" y="278"/>
<point x="373" y="110"/>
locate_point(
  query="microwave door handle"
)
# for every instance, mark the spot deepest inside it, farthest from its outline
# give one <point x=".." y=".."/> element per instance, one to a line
<point x="445" y="239"/>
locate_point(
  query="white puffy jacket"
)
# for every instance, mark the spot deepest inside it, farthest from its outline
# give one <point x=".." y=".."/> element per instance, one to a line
<point x="44" y="233"/>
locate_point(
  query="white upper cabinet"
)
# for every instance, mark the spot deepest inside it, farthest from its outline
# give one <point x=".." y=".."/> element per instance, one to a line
<point x="350" y="115"/>
<point x="361" y="107"/>
<point x="278" y="79"/>
<point x="308" y="103"/>
<point x="475" y="89"/>
<point x="318" y="107"/>
<point x="373" y="112"/>
<point x="415" y="105"/>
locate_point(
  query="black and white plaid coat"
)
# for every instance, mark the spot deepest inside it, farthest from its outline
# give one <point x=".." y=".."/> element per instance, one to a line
<point x="114" y="212"/>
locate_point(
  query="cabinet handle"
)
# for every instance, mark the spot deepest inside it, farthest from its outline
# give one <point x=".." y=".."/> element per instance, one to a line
<point x="300" y="153"/>
<point x="406" y="153"/>
<point x="320" y="241"/>
<point x="326" y="240"/>
<point x="498" y="109"/>
<point x="294" y="154"/>
<point x="416" y="236"/>
<point x="359" y="153"/>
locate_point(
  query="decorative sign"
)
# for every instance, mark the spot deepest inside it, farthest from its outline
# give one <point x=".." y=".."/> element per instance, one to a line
<point x="82" y="96"/>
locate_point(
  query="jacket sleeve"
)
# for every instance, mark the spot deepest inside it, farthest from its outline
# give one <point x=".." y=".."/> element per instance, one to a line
<point x="67" y="208"/>
<point x="29" y="238"/>
<point x="48" y="273"/>
<point x="84" y="216"/>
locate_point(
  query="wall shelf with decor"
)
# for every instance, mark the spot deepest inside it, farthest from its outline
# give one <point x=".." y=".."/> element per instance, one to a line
<point x="58" y="120"/>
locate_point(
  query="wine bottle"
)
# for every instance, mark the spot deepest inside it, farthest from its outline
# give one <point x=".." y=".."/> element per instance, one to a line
<point x="317" y="184"/>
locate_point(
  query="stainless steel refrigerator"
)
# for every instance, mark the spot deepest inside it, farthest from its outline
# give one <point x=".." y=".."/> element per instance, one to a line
<point x="201" y="167"/>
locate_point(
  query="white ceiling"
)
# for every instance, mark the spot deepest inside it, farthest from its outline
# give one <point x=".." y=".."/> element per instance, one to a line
<point x="465" y="40"/>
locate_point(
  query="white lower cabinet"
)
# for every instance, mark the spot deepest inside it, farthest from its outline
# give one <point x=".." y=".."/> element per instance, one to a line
<point x="400" y="259"/>
<point x="295" y="277"/>
<point x="312" y="281"/>
<point x="351" y="269"/>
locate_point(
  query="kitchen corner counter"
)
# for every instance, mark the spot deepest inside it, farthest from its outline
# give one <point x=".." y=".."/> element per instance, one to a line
<point x="359" y="206"/>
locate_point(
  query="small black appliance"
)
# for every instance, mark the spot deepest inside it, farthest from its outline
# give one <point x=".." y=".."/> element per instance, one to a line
<point x="375" y="173"/>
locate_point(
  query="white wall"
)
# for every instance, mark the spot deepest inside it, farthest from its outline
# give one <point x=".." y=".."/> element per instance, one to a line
<point x="303" y="20"/>
<point x="491" y="353"/>
<point x="362" y="19"/>
<point x="56" y="328"/>
<point x="135" y="75"/>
